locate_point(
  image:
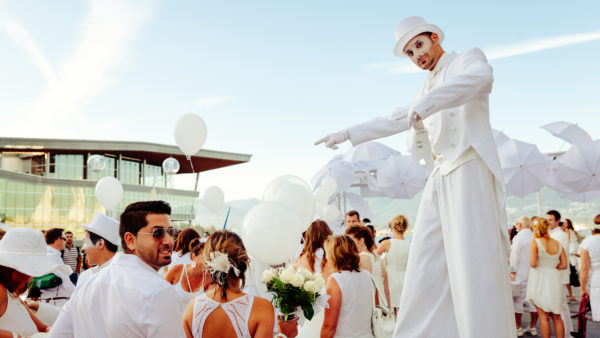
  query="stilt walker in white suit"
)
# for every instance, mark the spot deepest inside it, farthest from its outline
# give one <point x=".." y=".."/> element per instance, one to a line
<point x="457" y="281"/>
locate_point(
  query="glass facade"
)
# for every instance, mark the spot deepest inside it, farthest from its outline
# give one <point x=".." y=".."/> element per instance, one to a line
<point x="58" y="191"/>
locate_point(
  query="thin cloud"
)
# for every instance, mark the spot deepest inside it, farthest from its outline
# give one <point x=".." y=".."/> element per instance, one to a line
<point x="213" y="101"/>
<point x="498" y="52"/>
<point x="107" y="32"/>
<point x="526" y="47"/>
<point x="21" y="37"/>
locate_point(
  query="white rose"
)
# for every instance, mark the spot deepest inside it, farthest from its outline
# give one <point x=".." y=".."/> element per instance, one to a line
<point x="311" y="286"/>
<point x="286" y="275"/>
<point x="268" y="275"/>
<point x="297" y="280"/>
<point x="305" y="273"/>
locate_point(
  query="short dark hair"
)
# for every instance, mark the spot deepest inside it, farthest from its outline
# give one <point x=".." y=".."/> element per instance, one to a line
<point x="366" y="220"/>
<point x="53" y="234"/>
<point x="68" y="232"/>
<point x="133" y="217"/>
<point x="554" y="213"/>
<point x="352" y="213"/>
<point x="95" y="238"/>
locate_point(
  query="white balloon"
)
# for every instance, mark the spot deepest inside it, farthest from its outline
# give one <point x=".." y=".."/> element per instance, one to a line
<point x="297" y="198"/>
<point x="329" y="184"/>
<point x="276" y="184"/>
<point x="331" y="214"/>
<point x="213" y="198"/>
<point x="170" y="165"/>
<point x="271" y="232"/>
<point x="109" y="192"/>
<point x="190" y="133"/>
<point x="96" y="163"/>
<point x="322" y="196"/>
<point x="320" y="209"/>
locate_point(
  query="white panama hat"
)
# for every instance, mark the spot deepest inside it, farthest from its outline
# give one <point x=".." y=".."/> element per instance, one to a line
<point x="24" y="250"/>
<point x="105" y="227"/>
<point x="411" y="27"/>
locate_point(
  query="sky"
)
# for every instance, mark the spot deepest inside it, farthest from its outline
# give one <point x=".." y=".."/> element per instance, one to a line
<point x="271" y="77"/>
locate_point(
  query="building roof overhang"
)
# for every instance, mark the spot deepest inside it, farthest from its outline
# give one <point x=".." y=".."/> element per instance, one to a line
<point x="153" y="153"/>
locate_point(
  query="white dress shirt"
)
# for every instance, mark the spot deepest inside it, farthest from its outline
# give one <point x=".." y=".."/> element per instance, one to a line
<point x="519" y="254"/>
<point x="63" y="290"/>
<point x="563" y="240"/>
<point x="128" y="298"/>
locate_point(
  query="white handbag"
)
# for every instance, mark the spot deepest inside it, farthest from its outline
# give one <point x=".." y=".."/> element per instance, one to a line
<point x="383" y="320"/>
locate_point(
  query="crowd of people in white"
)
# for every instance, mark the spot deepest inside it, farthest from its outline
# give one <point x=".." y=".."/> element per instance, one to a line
<point x="128" y="294"/>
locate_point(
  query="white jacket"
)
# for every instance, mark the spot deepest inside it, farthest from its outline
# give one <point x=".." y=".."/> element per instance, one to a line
<point x="455" y="103"/>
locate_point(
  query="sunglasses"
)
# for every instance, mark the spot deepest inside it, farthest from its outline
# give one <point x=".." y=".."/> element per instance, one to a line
<point x="159" y="233"/>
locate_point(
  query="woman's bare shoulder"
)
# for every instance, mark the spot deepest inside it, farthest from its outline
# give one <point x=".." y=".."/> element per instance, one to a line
<point x="172" y="276"/>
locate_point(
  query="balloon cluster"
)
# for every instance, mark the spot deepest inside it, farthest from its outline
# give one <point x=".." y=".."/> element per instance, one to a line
<point x="323" y="195"/>
<point x="272" y="229"/>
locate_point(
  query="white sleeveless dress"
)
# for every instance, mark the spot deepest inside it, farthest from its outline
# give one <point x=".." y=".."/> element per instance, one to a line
<point x="396" y="261"/>
<point x="377" y="269"/>
<point x="238" y="311"/>
<point x="16" y="318"/>
<point x="184" y="296"/>
<point x="543" y="287"/>
<point x="357" y="304"/>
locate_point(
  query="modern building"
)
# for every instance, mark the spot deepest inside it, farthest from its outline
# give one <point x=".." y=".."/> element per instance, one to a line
<point x="46" y="183"/>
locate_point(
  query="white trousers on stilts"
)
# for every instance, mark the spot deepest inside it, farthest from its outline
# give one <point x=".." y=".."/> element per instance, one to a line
<point x="566" y="313"/>
<point x="457" y="280"/>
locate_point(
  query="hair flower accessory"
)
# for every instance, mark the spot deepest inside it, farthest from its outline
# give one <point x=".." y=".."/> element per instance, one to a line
<point x="535" y="222"/>
<point x="219" y="266"/>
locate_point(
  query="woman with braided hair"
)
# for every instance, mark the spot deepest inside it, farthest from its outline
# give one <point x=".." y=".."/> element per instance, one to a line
<point x="224" y="310"/>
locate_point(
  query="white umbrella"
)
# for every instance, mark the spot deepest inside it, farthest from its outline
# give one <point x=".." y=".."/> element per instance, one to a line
<point x="398" y="178"/>
<point x="368" y="151"/>
<point x="579" y="167"/>
<point x="569" y="132"/>
<point x="581" y="197"/>
<point x="343" y="172"/>
<point x="524" y="167"/>
<point x="499" y="137"/>
<point x="359" y="204"/>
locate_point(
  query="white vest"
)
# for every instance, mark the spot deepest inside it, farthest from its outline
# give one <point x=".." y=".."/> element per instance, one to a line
<point x="457" y="107"/>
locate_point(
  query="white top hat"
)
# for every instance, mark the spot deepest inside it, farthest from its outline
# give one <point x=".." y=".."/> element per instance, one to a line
<point x="24" y="250"/>
<point x="411" y="27"/>
<point x="106" y="227"/>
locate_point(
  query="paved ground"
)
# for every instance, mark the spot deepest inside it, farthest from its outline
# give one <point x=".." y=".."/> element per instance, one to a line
<point x="593" y="328"/>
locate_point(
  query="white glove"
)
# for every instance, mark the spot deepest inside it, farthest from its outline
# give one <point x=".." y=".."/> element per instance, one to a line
<point x="413" y="120"/>
<point x="335" y="138"/>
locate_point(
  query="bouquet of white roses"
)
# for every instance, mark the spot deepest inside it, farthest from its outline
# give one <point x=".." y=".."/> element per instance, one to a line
<point x="295" y="289"/>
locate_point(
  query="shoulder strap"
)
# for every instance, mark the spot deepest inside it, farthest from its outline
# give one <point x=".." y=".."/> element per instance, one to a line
<point x="382" y="299"/>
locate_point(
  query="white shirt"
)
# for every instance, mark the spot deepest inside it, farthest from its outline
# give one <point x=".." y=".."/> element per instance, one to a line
<point x="519" y="254"/>
<point x="563" y="240"/>
<point x="67" y="287"/>
<point x="128" y="298"/>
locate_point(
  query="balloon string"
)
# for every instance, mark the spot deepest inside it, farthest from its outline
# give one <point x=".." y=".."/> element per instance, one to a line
<point x="191" y="163"/>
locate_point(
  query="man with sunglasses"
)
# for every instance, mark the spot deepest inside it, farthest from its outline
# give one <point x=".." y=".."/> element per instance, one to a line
<point x="128" y="298"/>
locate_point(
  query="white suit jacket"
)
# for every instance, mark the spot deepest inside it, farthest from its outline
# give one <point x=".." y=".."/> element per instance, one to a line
<point x="455" y="103"/>
<point x="519" y="254"/>
<point x="563" y="239"/>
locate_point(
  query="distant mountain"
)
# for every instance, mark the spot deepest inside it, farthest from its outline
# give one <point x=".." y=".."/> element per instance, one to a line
<point x="384" y="209"/>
